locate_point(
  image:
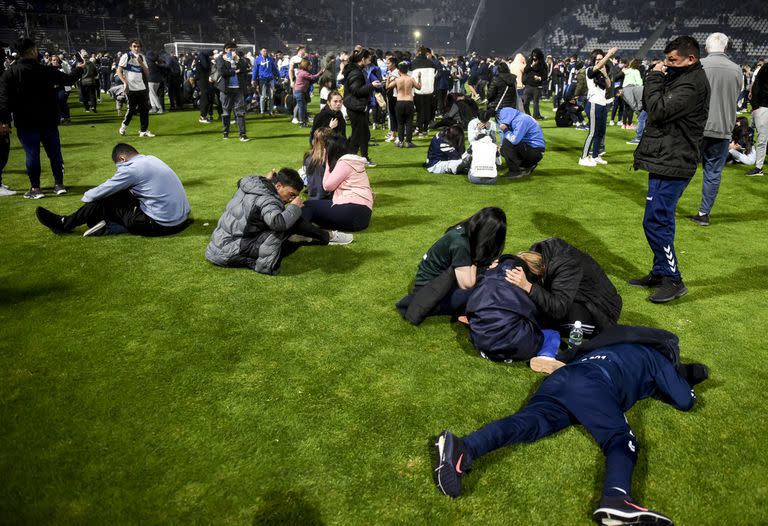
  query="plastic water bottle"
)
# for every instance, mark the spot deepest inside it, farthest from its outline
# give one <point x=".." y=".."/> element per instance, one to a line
<point x="576" y="336"/>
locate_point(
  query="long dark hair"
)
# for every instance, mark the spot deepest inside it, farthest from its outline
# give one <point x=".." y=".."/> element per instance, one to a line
<point x="487" y="232"/>
<point x="336" y="147"/>
<point x="454" y="135"/>
<point x="741" y="134"/>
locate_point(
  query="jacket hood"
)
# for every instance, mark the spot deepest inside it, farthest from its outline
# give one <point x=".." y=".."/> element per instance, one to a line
<point x="509" y="79"/>
<point x="257" y="185"/>
<point x="355" y="161"/>
<point x="507" y="115"/>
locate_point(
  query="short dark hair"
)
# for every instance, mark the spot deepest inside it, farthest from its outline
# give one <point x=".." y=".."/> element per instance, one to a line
<point x="289" y="177"/>
<point x="484" y="115"/>
<point x="122" y="149"/>
<point x="684" y="45"/>
<point x="134" y="41"/>
<point x="23" y="45"/>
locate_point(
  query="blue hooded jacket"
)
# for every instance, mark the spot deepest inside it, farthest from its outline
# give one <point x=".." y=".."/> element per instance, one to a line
<point x="502" y="317"/>
<point x="521" y="128"/>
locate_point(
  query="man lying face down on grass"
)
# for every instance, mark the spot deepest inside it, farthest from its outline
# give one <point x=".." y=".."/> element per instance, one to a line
<point x="255" y="228"/>
<point x="620" y="366"/>
<point x="144" y="197"/>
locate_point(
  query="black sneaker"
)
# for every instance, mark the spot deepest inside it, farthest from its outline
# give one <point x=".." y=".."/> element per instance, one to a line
<point x="33" y="193"/>
<point x="699" y="219"/>
<point x="646" y="282"/>
<point x="613" y="511"/>
<point x="694" y="373"/>
<point x="54" y="222"/>
<point x="59" y="189"/>
<point x="668" y="290"/>
<point x="451" y="464"/>
<point x="755" y="172"/>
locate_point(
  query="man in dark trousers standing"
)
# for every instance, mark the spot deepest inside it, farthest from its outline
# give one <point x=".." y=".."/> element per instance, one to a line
<point x="27" y="91"/>
<point x="133" y="71"/>
<point x="621" y="366"/>
<point x="676" y="97"/>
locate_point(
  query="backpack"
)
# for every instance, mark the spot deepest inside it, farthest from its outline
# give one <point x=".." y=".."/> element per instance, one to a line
<point x="581" y="84"/>
<point x="483" y="159"/>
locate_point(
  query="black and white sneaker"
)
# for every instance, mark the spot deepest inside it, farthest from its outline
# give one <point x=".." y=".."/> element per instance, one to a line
<point x="755" y="172"/>
<point x="702" y="220"/>
<point x="59" y="189"/>
<point x="452" y="462"/>
<point x="614" y="511"/>
<point x="33" y="193"/>
<point x="99" y="229"/>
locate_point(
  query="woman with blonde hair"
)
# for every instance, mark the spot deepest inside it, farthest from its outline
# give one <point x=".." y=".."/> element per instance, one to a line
<point x="314" y="164"/>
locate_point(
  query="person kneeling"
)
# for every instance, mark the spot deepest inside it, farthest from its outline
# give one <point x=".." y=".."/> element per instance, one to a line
<point x="144" y="197"/>
<point x="523" y="144"/>
<point x="255" y="228"/>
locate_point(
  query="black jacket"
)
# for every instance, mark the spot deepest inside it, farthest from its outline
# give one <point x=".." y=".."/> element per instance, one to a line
<point x="532" y="70"/>
<point x="497" y="99"/>
<point x="27" y="91"/>
<point x="572" y="276"/>
<point x="356" y="90"/>
<point x="678" y="105"/>
<point x="323" y="120"/>
<point x="760" y="89"/>
<point x="226" y="71"/>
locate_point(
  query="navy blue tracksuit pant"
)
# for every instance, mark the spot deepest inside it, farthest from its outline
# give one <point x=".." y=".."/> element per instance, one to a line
<point x="594" y="391"/>
<point x="659" y="222"/>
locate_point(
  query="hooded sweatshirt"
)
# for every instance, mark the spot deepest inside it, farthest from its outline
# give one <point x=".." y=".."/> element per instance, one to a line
<point x="349" y="182"/>
<point x="521" y="128"/>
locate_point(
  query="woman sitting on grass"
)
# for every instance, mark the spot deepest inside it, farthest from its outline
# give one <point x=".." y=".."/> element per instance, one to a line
<point x="253" y="232"/>
<point x="741" y="148"/>
<point x="314" y="164"/>
<point x="446" y="153"/>
<point x="352" y="203"/>
<point x="448" y="271"/>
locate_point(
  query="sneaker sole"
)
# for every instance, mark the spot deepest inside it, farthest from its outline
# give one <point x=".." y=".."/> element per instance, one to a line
<point x="38" y="196"/>
<point x="542" y="364"/>
<point x="680" y="293"/>
<point x="613" y="517"/>
<point x="95" y="229"/>
<point x="445" y="474"/>
<point x="339" y="243"/>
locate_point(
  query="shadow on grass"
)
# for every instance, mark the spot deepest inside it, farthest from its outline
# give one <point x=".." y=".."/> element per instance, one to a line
<point x="742" y="279"/>
<point x="384" y="223"/>
<point x="741" y="217"/>
<point x="629" y="317"/>
<point x="396" y="183"/>
<point x="66" y="145"/>
<point x="287" y="506"/>
<point x="16" y="295"/>
<point x="629" y="185"/>
<point x="387" y="199"/>
<point x="419" y="164"/>
<point x="329" y="260"/>
<point x="566" y="228"/>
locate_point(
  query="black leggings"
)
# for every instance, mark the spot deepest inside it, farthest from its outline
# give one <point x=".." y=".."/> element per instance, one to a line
<point x="404" y="109"/>
<point x="361" y="132"/>
<point x="348" y="217"/>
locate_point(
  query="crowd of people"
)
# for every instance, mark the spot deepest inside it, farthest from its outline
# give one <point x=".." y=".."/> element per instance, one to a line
<point x="479" y="114"/>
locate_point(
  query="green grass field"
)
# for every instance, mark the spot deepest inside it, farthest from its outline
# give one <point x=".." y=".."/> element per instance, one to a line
<point x="140" y="384"/>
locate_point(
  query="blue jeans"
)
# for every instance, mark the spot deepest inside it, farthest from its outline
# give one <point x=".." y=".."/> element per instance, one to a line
<point x="30" y="141"/>
<point x="714" y="153"/>
<point x="659" y="222"/>
<point x="598" y="115"/>
<point x="301" y="104"/>
<point x="641" y="118"/>
<point x="267" y="91"/>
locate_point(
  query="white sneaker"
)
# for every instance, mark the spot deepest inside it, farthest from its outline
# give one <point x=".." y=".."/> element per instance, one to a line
<point x="96" y="230"/>
<point x="5" y="191"/>
<point x="295" y="120"/>
<point x="340" y="238"/>
<point x="389" y="137"/>
<point x="587" y="161"/>
<point x="599" y="160"/>
<point x="146" y="134"/>
<point x="610" y="123"/>
<point x="121" y="131"/>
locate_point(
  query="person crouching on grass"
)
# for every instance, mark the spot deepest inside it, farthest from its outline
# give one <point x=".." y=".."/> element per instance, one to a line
<point x="260" y="218"/>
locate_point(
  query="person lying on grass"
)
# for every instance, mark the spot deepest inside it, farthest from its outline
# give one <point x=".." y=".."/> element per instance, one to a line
<point x="255" y="229"/>
<point x="620" y="367"/>
<point x="570" y="287"/>
<point x="448" y="271"/>
<point x="144" y="197"/>
<point x="345" y="175"/>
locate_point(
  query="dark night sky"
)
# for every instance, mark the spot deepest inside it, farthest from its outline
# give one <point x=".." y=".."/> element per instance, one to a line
<point x="507" y="24"/>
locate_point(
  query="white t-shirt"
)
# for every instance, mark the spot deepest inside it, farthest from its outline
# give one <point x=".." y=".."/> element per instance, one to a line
<point x="292" y="65"/>
<point x="132" y="71"/>
<point x="595" y="94"/>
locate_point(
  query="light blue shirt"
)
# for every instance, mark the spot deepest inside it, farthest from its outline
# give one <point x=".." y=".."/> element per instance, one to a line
<point x="159" y="190"/>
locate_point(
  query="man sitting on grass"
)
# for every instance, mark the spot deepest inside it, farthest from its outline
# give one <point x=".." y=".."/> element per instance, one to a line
<point x="144" y="197"/>
<point x="263" y="224"/>
<point x="621" y="366"/>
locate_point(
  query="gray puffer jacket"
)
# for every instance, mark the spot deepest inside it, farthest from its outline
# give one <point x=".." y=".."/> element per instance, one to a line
<point x="251" y="231"/>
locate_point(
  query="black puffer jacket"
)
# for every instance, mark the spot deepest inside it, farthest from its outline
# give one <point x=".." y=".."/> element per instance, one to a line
<point x="531" y="71"/>
<point x="497" y="98"/>
<point x="571" y="276"/>
<point x="678" y="105"/>
<point x="357" y="91"/>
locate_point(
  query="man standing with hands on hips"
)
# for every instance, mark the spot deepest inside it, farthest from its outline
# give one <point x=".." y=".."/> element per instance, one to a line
<point x="676" y="97"/>
<point x="133" y="71"/>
